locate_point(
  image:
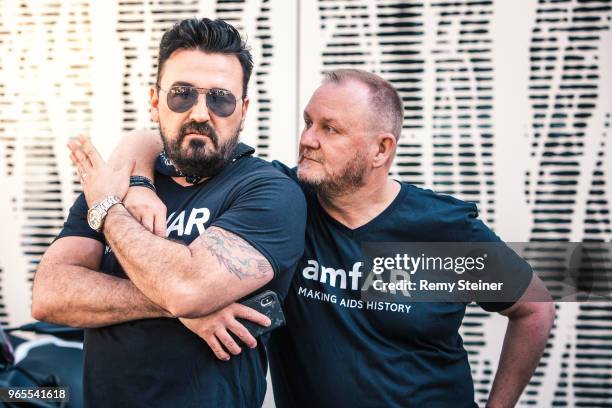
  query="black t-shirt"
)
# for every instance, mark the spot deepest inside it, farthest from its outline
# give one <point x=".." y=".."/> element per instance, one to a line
<point x="159" y="362"/>
<point x="339" y="350"/>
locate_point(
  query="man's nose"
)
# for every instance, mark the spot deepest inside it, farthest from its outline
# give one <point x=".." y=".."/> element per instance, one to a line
<point x="199" y="111"/>
<point x="309" y="138"/>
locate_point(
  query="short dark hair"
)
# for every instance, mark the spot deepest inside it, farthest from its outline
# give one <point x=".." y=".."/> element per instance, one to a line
<point x="384" y="99"/>
<point x="208" y="36"/>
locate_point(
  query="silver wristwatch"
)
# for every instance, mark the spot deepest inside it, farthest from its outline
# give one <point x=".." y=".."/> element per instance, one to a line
<point x="97" y="213"/>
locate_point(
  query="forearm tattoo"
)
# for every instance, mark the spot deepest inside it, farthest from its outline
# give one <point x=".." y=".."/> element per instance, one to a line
<point x="235" y="254"/>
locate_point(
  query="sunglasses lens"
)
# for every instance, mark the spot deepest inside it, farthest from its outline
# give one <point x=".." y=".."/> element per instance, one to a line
<point x="221" y="103"/>
<point x="182" y="98"/>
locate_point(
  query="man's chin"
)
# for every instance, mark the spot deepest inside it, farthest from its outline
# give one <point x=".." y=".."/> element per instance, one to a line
<point x="307" y="176"/>
<point x="196" y="144"/>
<point x="197" y="150"/>
<point x="204" y="167"/>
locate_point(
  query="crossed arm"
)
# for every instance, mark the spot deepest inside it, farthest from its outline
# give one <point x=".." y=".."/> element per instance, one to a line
<point x="216" y="269"/>
<point x="69" y="290"/>
<point x="167" y="279"/>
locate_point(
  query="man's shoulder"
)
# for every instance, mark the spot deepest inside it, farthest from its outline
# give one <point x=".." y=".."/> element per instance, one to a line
<point x="290" y="172"/>
<point x="426" y="202"/>
<point x="254" y="167"/>
<point x="442" y="217"/>
<point x="430" y="197"/>
<point x="259" y="164"/>
<point x="254" y="173"/>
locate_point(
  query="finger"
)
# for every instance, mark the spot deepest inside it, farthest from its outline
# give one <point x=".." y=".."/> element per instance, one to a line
<point x="80" y="176"/>
<point x="228" y="341"/>
<point x="76" y="163"/>
<point x="147" y="221"/>
<point x="79" y="169"/>
<point x="159" y="224"/>
<point x="242" y="333"/>
<point x="76" y="150"/>
<point x="216" y="348"/>
<point x="252" y="315"/>
<point x="90" y="151"/>
<point x="79" y="155"/>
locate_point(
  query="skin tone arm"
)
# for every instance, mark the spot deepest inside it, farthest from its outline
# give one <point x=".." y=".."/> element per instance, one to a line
<point x="142" y="203"/>
<point x="144" y="145"/>
<point x="528" y="329"/>
<point x="68" y="289"/>
<point x="216" y="269"/>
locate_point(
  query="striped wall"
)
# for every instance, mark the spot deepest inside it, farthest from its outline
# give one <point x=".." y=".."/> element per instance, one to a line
<point x="507" y="104"/>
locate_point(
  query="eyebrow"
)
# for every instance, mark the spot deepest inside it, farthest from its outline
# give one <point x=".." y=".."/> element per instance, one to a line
<point x="333" y="123"/>
<point x="327" y="121"/>
<point x="183" y="83"/>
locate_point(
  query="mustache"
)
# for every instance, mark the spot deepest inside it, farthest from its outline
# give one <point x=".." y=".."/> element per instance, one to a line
<point x="306" y="154"/>
<point x="199" y="128"/>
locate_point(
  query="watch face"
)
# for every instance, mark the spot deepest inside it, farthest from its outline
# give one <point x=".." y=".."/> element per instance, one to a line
<point x="94" y="218"/>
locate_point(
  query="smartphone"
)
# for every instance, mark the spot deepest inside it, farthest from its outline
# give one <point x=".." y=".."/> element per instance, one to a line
<point x="266" y="303"/>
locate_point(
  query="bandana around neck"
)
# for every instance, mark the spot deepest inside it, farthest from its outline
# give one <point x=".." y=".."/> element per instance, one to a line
<point x="165" y="166"/>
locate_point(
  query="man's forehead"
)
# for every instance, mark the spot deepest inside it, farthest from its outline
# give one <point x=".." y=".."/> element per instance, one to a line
<point x="342" y="101"/>
<point x="203" y="69"/>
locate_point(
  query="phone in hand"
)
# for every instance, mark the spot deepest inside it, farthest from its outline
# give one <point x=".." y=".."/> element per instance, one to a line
<point x="266" y="303"/>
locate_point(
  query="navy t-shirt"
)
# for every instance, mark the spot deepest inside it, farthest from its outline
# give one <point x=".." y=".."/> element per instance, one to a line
<point x="339" y="350"/>
<point x="159" y="362"/>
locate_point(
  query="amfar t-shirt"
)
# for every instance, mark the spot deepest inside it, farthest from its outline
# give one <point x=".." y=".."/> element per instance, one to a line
<point x="340" y="350"/>
<point x="161" y="363"/>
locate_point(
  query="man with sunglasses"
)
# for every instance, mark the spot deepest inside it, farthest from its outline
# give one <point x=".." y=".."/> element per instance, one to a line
<point x="236" y="226"/>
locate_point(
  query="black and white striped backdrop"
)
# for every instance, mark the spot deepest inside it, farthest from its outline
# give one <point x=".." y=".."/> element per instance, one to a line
<point x="508" y="104"/>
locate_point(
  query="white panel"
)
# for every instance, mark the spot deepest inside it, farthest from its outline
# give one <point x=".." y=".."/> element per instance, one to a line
<point x="507" y="104"/>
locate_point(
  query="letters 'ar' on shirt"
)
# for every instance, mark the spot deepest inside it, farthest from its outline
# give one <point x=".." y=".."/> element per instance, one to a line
<point x="340" y="349"/>
<point x="161" y="363"/>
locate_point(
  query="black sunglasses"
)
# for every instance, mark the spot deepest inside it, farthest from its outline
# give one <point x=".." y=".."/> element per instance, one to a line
<point x="181" y="98"/>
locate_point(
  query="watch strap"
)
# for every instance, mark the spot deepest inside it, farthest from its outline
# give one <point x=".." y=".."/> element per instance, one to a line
<point x="102" y="209"/>
<point x="107" y="203"/>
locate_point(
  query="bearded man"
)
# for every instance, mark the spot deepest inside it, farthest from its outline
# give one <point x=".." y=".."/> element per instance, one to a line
<point x="236" y="227"/>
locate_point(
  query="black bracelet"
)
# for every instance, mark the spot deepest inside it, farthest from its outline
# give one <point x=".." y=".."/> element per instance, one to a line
<point x="142" y="181"/>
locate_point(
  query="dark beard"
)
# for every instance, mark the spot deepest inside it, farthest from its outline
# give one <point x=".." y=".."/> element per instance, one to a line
<point x="194" y="160"/>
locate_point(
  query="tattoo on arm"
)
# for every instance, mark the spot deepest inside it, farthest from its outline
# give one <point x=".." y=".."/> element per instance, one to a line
<point x="237" y="255"/>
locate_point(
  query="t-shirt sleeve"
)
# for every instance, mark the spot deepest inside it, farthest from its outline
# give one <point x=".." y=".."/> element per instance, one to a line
<point x="270" y="214"/>
<point x="76" y="223"/>
<point x="509" y="267"/>
<point x="290" y="172"/>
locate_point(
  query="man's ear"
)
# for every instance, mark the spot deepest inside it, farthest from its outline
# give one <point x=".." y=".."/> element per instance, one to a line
<point x="154" y="99"/>
<point x="245" y="107"/>
<point x="386" y="145"/>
